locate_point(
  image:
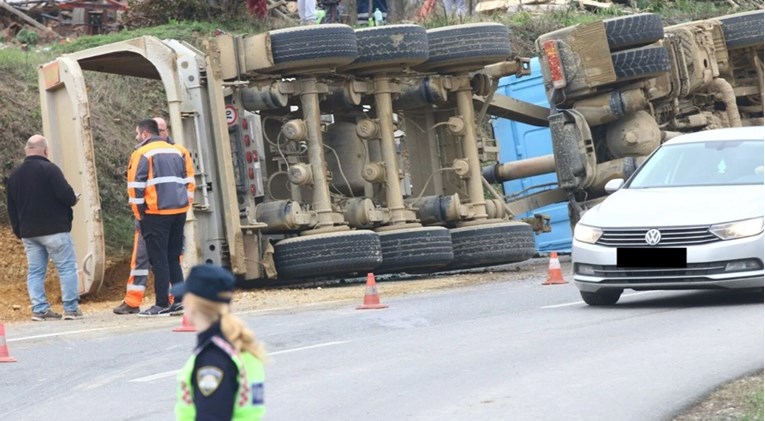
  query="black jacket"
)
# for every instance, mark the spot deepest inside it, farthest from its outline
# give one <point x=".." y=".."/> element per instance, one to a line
<point x="40" y="199"/>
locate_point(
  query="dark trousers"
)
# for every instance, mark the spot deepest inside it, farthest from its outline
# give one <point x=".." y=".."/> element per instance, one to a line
<point x="163" y="235"/>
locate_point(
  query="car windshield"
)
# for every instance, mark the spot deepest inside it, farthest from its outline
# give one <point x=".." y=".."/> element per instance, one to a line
<point x="712" y="163"/>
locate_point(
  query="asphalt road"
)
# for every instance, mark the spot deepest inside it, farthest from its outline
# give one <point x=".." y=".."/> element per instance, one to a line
<point x="499" y="351"/>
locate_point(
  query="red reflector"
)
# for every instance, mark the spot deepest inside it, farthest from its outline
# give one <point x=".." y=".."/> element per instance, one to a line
<point x="246" y="140"/>
<point x="248" y="156"/>
<point x="244" y="124"/>
<point x="251" y="172"/>
<point x="254" y="190"/>
<point x="554" y="63"/>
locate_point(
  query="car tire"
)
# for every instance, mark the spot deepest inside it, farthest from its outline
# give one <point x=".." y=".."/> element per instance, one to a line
<point x="312" y="47"/>
<point x="333" y="254"/>
<point x="491" y="244"/>
<point x="415" y="249"/>
<point x="640" y="63"/>
<point x="743" y="29"/>
<point x="607" y="297"/>
<point x="391" y="47"/>
<point x="466" y="47"/>
<point x="633" y="31"/>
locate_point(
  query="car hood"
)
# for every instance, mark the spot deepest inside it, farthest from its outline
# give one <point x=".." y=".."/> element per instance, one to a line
<point x="677" y="206"/>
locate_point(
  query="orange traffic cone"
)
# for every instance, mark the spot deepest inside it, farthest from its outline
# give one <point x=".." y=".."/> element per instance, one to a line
<point x="185" y="326"/>
<point x="554" y="274"/>
<point x="5" y="357"/>
<point x="371" y="299"/>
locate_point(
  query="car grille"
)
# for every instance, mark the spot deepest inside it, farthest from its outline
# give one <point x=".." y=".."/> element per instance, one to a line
<point x="678" y="237"/>
<point x="694" y="270"/>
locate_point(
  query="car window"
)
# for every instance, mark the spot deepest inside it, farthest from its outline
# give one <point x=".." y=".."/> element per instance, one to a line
<point x="712" y="163"/>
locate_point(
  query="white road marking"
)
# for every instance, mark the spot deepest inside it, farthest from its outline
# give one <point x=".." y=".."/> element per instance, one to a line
<point x="49" y="335"/>
<point x="582" y="302"/>
<point x="171" y="373"/>
<point x="286" y="351"/>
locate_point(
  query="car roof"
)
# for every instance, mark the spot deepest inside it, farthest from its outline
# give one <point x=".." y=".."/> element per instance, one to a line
<point x="735" y="133"/>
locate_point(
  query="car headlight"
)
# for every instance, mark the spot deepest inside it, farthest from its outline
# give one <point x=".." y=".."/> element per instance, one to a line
<point x="738" y="229"/>
<point x="587" y="234"/>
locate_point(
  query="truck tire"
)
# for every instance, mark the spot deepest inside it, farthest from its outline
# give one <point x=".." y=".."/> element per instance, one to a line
<point x="415" y="249"/>
<point x="466" y="47"/>
<point x="491" y="244"/>
<point x="332" y="254"/>
<point x="633" y="31"/>
<point x="743" y="29"/>
<point x="312" y="47"/>
<point x="607" y="297"/>
<point x="391" y="47"/>
<point x="640" y="63"/>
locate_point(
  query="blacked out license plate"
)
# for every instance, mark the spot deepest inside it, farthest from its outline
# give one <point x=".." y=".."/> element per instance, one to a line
<point x="651" y="257"/>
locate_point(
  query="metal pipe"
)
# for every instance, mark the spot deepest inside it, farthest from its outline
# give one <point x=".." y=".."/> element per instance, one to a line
<point x="384" y="109"/>
<point x="309" y="99"/>
<point x="722" y="87"/>
<point x="520" y="169"/>
<point x="464" y="96"/>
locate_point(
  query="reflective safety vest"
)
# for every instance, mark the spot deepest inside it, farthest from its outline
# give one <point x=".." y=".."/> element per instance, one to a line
<point x="160" y="179"/>
<point x="249" y="401"/>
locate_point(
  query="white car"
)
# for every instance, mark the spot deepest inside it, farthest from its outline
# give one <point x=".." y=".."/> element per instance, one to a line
<point x="691" y="217"/>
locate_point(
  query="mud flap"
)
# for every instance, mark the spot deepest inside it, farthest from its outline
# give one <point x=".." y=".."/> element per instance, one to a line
<point x="573" y="149"/>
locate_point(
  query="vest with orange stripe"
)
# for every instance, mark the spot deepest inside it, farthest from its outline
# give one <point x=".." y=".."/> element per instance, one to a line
<point x="160" y="179"/>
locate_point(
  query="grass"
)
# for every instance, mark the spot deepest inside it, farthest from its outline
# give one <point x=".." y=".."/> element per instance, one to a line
<point x="754" y="410"/>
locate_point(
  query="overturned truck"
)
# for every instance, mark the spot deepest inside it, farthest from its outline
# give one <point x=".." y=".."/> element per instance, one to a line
<point x="620" y="87"/>
<point x="319" y="151"/>
<point x="325" y="151"/>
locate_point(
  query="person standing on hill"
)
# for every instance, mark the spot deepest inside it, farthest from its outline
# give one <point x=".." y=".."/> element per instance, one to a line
<point x="161" y="188"/>
<point x="40" y="202"/>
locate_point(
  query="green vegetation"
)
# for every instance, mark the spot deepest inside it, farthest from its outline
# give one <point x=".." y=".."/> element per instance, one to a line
<point x="754" y="410"/>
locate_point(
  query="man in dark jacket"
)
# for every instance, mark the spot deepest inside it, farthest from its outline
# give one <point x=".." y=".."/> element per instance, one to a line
<point x="40" y="204"/>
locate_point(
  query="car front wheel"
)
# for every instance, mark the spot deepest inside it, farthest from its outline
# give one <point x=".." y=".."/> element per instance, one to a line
<point x="602" y="298"/>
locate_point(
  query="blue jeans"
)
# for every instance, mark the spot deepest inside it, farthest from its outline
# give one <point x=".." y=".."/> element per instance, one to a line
<point x="60" y="248"/>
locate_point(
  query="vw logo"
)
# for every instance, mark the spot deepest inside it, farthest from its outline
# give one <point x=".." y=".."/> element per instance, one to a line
<point x="652" y="237"/>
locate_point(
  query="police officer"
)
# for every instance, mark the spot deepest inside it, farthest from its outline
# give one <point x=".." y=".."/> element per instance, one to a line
<point x="223" y="379"/>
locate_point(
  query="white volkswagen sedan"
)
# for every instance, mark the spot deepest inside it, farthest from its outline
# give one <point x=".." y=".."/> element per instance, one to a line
<point x="691" y="217"/>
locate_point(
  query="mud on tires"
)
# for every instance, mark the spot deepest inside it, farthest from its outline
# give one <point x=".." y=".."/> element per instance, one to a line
<point x="640" y="63"/>
<point x="391" y="47"/>
<point x="312" y="47"/>
<point x="340" y="253"/>
<point x="633" y="31"/>
<point x="466" y="47"/>
<point x="743" y="29"/>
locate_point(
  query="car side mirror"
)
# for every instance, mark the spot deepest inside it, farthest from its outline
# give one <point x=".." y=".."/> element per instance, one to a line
<point x="614" y="185"/>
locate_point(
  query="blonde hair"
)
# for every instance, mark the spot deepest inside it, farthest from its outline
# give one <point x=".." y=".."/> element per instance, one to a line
<point x="233" y="328"/>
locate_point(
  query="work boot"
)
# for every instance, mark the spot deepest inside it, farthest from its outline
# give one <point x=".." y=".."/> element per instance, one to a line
<point x="46" y="315"/>
<point x="124" y="308"/>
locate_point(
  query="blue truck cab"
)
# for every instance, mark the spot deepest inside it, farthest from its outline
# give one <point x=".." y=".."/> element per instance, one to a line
<point x="520" y="141"/>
